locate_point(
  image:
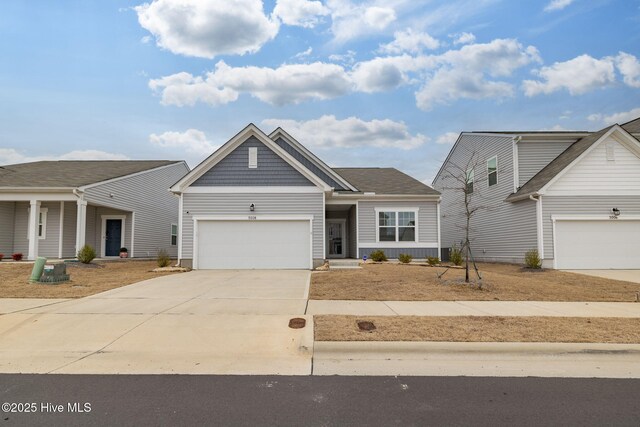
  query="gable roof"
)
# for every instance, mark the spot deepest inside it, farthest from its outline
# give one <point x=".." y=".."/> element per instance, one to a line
<point x="558" y="164"/>
<point x="385" y="181"/>
<point x="72" y="173"/>
<point x="633" y="126"/>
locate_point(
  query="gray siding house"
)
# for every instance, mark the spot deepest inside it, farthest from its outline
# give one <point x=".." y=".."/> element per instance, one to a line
<point x="573" y="196"/>
<point x="266" y="201"/>
<point x="53" y="208"/>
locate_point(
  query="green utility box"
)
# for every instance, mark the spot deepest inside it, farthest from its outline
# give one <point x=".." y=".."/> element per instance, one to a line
<point x="55" y="273"/>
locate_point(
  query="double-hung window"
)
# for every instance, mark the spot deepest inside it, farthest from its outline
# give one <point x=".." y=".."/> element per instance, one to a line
<point x="42" y="223"/>
<point x="492" y="171"/>
<point x="469" y="181"/>
<point x="174" y="234"/>
<point x="396" y="226"/>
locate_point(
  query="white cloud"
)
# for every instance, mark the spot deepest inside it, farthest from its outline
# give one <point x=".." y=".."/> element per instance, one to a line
<point x="463" y="73"/>
<point x="329" y="132"/>
<point x="448" y="138"/>
<point x="301" y="13"/>
<point x="347" y="58"/>
<point x="381" y="74"/>
<point x="207" y="28"/>
<point x="11" y="156"/>
<point x="578" y="75"/>
<point x="193" y="141"/>
<point x="463" y="38"/>
<point x="554" y="5"/>
<point x="303" y="54"/>
<point x="629" y="67"/>
<point x="409" y="41"/>
<point x="350" y="21"/>
<point x="287" y="84"/>
<point x="620" y="118"/>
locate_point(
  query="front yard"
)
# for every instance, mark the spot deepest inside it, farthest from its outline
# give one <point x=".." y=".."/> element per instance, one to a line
<point x="85" y="280"/>
<point x="501" y="282"/>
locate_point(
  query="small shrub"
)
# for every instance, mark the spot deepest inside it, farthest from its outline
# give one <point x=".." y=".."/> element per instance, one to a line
<point x="405" y="258"/>
<point x="378" y="256"/>
<point x="532" y="259"/>
<point x="455" y="255"/>
<point x="86" y="254"/>
<point x="433" y="260"/>
<point x="123" y="249"/>
<point x="17" y="256"/>
<point x="1" y="256"/>
<point x="163" y="259"/>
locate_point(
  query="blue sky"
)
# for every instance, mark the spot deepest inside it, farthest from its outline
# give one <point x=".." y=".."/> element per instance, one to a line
<point x="377" y="83"/>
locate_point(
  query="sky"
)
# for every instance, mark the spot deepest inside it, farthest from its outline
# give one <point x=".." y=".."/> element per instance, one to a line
<point x="360" y="83"/>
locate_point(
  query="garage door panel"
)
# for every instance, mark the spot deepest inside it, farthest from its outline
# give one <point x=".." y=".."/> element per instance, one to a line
<point x="597" y="244"/>
<point x="254" y="244"/>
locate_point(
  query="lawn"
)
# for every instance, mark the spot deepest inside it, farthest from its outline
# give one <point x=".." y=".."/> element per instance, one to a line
<point x="99" y="277"/>
<point x="479" y="329"/>
<point x="504" y="282"/>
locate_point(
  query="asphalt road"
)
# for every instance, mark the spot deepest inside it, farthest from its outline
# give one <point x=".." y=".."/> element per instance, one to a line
<point x="317" y="401"/>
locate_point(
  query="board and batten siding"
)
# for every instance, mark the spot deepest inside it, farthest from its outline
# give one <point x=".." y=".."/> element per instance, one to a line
<point x="237" y="204"/>
<point x="147" y="195"/>
<point x="500" y="231"/>
<point x="594" y="174"/>
<point x="535" y="155"/>
<point x="582" y="205"/>
<point x="7" y="210"/>
<point x="233" y="170"/>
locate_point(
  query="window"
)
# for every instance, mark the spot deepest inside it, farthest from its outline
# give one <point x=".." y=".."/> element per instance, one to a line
<point x="42" y="223"/>
<point x="492" y="171"/>
<point x="469" y="180"/>
<point x="253" y="157"/>
<point x="174" y="234"/>
<point x="397" y="226"/>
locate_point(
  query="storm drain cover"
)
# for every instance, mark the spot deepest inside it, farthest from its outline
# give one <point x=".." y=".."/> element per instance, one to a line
<point x="297" y="323"/>
<point x="364" y="325"/>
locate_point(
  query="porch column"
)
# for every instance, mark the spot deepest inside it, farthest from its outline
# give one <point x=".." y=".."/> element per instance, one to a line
<point x="34" y="216"/>
<point x="81" y="224"/>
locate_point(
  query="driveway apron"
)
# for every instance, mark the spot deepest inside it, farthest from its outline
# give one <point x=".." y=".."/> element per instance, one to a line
<point x="202" y="322"/>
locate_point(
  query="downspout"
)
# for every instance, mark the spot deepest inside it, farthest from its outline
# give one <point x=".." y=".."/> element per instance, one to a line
<point x="540" y="234"/>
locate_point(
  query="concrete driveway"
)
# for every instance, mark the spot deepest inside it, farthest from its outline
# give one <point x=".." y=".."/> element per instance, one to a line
<point x="626" y="275"/>
<point x="216" y="322"/>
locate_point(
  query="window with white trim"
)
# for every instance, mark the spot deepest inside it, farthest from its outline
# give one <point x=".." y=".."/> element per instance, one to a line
<point x="174" y="234"/>
<point x="492" y="171"/>
<point x="396" y="226"/>
<point x="42" y="223"/>
<point x="253" y="157"/>
<point x="469" y="181"/>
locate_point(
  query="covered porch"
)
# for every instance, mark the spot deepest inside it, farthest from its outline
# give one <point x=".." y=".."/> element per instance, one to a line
<point x="341" y="230"/>
<point x="58" y="225"/>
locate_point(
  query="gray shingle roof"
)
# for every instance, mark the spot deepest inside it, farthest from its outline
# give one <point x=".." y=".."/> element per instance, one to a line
<point x="72" y="173"/>
<point x="633" y="126"/>
<point x="556" y="166"/>
<point x="384" y="181"/>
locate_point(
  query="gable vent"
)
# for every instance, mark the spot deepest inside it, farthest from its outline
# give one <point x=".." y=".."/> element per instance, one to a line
<point x="611" y="151"/>
<point x="253" y="157"/>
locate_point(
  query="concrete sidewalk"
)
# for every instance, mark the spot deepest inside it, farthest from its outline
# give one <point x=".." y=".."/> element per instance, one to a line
<point x="475" y="308"/>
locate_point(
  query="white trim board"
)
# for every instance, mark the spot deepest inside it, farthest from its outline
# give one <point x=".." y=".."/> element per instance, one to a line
<point x="401" y="245"/>
<point x="255" y="189"/>
<point x="416" y="212"/>
<point x="103" y="219"/>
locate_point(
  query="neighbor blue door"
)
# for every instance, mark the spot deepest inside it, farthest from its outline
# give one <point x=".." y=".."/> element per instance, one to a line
<point x="113" y="237"/>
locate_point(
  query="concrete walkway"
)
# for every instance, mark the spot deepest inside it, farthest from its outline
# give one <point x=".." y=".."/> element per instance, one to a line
<point x="475" y="308"/>
<point x="625" y="275"/>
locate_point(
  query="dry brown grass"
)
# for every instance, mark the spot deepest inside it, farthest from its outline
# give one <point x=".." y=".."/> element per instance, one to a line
<point x="505" y="282"/>
<point x="479" y="329"/>
<point x="14" y="279"/>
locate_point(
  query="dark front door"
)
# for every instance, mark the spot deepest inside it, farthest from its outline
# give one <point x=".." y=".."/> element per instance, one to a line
<point x="113" y="237"/>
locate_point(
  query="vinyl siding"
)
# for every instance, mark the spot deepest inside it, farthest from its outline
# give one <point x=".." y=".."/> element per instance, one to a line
<point x="427" y="219"/>
<point x="199" y="204"/>
<point x="392" y="253"/>
<point x="535" y="155"/>
<point x="308" y="164"/>
<point x="595" y="175"/>
<point x="500" y="231"/>
<point x="7" y="210"/>
<point x="234" y="169"/>
<point x="155" y="208"/>
<point x="94" y="234"/>
<point x="582" y="205"/>
<point x="47" y="247"/>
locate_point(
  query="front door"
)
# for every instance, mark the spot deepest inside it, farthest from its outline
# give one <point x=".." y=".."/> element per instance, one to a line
<point x="113" y="237"/>
<point x="336" y="241"/>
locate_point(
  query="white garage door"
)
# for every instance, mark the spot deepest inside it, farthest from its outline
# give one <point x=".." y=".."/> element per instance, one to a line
<point x="597" y="244"/>
<point x="254" y="244"/>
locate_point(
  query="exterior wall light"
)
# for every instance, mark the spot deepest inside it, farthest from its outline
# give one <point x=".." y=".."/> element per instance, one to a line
<point x="615" y="211"/>
<point x="252" y="207"/>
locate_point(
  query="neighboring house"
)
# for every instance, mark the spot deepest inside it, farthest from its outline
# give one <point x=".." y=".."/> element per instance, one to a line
<point x="265" y="201"/>
<point x="573" y="196"/>
<point x="53" y="208"/>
